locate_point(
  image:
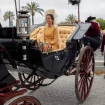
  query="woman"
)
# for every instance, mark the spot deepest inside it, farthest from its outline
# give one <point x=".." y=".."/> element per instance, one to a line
<point x="51" y="32"/>
<point x="93" y="33"/>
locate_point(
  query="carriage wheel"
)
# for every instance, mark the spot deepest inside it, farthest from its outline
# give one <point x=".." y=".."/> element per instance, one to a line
<point x="25" y="100"/>
<point x="33" y="82"/>
<point x="84" y="74"/>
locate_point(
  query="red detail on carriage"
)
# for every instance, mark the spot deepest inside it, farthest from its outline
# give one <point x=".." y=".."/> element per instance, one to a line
<point x="7" y="93"/>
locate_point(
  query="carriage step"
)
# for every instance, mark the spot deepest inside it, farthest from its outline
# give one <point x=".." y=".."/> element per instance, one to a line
<point x="46" y="74"/>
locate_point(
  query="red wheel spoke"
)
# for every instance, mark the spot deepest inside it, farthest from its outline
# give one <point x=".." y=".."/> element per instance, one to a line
<point x="85" y="89"/>
<point x="82" y="73"/>
<point x="89" y="79"/>
<point x="81" y="79"/>
<point x="82" y="69"/>
<point x="82" y="92"/>
<point x="80" y="86"/>
<point x="84" y="60"/>
<point x="89" y="67"/>
<point x="87" y="84"/>
<point x="88" y="57"/>
<point x="91" y="64"/>
<point x="80" y="83"/>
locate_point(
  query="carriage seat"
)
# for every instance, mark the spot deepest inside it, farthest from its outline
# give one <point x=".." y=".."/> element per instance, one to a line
<point x="37" y="34"/>
<point x="64" y="33"/>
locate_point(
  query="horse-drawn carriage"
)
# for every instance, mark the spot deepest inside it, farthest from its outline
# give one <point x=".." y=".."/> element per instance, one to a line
<point x="72" y="58"/>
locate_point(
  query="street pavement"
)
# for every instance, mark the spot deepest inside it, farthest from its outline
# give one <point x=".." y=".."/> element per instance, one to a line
<point x="99" y="60"/>
<point x="62" y="91"/>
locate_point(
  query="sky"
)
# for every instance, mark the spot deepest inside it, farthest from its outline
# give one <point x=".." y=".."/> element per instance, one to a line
<point x="87" y="8"/>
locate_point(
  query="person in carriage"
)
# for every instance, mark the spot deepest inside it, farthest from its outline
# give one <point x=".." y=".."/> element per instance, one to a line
<point x="49" y="40"/>
<point x="93" y="34"/>
<point x="50" y="32"/>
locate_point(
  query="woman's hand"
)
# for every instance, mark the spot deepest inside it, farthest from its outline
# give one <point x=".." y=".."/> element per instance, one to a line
<point x="102" y="53"/>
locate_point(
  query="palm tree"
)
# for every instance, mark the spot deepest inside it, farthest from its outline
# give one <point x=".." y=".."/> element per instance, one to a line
<point x="71" y="18"/>
<point x="9" y="16"/>
<point x="33" y="7"/>
<point x="76" y="2"/>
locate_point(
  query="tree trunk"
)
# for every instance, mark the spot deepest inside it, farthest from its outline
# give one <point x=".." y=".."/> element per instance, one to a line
<point x="78" y="12"/>
<point x="32" y="20"/>
<point x="9" y="21"/>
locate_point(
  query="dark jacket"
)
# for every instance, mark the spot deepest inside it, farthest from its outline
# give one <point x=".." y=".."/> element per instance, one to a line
<point x="94" y="30"/>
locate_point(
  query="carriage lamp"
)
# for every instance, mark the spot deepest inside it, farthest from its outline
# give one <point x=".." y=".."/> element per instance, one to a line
<point x="23" y="23"/>
<point x="74" y="2"/>
<point x="23" y="28"/>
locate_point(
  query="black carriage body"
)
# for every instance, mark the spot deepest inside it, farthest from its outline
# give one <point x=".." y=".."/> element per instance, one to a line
<point x="51" y="65"/>
<point x="6" y="78"/>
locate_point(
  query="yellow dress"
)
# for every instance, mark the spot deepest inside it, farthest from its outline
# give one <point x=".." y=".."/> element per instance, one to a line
<point x="51" y="36"/>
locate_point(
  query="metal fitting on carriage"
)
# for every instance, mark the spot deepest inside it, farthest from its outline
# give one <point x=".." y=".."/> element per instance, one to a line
<point x="24" y="57"/>
<point x="24" y="47"/>
<point x="57" y="58"/>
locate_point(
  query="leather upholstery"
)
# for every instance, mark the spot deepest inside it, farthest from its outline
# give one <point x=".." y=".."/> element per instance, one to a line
<point x="35" y="33"/>
<point x="64" y="33"/>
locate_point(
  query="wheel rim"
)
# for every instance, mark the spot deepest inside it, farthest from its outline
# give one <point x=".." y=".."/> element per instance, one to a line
<point x="84" y="74"/>
<point x="25" y="100"/>
<point x="33" y="83"/>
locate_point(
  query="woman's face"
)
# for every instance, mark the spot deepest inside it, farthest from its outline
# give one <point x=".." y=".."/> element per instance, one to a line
<point x="49" y="20"/>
